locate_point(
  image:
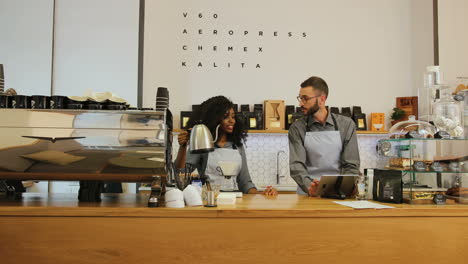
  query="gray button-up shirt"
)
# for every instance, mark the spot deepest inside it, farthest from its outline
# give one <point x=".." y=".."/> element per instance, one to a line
<point x="244" y="181"/>
<point x="349" y="157"/>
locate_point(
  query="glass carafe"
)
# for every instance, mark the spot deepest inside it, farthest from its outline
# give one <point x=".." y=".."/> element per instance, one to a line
<point x="428" y="94"/>
<point x="229" y="184"/>
<point x="448" y="115"/>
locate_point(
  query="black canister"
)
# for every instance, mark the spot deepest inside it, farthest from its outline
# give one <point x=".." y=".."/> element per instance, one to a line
<point x="245" y="108"/>
<point x="20" y="101"/>
<point x="195" y="108"/>
<point x="346" y="111"/>
<point x="76" y="104"/>
<point x="115" y="107"/>
<point x="40" y="102"/>
<point x="258" y="107"/>
<point x="289" y="111"/>
<point x="297" y="115"/>
<point x="258" y="113"/>
<point x="184" y="119"/>
<point x="58" y="102"/>
<point x="94" y="106"/>
<point x="5" y="101"/>
<point x="335" y="110"/>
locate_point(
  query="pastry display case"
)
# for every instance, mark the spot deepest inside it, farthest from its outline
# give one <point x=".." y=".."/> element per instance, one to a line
<point x="433" y="170"/>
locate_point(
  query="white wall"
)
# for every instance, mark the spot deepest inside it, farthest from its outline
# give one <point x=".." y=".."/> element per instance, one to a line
<point x="453" y="38"/>
<point x="26" y="45"/>
<point x="422" y="40"/>
<point x="96" y="47"/>
<point x="368" y="51"/>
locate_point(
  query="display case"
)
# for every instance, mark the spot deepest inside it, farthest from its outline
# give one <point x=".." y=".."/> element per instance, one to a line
<point x="433" y="170"/>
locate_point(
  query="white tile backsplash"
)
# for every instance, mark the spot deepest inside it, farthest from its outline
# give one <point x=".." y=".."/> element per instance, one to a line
<point x="263" y="150"/>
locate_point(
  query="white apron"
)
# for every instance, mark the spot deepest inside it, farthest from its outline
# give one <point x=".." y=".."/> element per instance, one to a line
<point x="222" y="154"/>
<point x="323" y="150"/>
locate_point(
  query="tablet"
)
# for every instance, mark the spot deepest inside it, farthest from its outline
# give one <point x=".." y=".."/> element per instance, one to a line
<point x="329" y="183"/>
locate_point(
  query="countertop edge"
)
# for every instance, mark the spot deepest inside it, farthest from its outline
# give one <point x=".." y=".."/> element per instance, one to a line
<point x="13" y="211"/>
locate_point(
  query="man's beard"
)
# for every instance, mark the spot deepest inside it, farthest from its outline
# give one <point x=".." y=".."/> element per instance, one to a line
<point x="313" y="109"/>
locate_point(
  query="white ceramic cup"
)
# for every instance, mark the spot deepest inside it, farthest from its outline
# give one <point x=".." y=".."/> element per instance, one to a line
<point x="174" y="195"/>
<point x="192" y="196"/>
<point x="175" y="204"/>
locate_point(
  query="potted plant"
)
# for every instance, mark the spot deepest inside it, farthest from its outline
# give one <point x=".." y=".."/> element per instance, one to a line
<point x="397" y="115"/>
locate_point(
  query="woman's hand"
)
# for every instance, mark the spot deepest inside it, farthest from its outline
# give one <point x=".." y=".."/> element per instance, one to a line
<point x="269" y="191"/>
<point x="183" y="138"/>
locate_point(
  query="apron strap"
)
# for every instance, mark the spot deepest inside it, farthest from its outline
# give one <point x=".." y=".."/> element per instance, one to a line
<point x="334" y="121"/>
<point x="336" y="129"/>
<point x="204" y="158"/>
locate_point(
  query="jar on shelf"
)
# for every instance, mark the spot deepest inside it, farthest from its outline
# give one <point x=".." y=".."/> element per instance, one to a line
<point x="429" y="93"/>
<point x="461" y="89"/>
<point x="448" y="114"/>
<point x="461" y="84"/>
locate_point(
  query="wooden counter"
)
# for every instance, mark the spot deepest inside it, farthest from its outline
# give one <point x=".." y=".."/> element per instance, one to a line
<point x="289" y="229"/>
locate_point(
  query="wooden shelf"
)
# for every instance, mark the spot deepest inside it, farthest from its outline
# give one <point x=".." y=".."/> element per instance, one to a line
<point x="271" y="131"/>
<point x="359" y="132"/>
<point x="368" y="132"/>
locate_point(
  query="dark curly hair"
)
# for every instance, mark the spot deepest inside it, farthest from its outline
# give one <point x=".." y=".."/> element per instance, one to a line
<point x="211" y="112"/>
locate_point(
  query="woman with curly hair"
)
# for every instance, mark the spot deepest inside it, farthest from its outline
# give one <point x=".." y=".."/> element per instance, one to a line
<point x="229" y="146"/>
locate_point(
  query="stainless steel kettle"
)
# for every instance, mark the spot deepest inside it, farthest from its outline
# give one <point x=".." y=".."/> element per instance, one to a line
<point x="201" y="140"/>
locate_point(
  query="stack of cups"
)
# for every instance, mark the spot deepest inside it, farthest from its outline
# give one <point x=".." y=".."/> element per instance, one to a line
<point x="2" y="80"/>
<point x="162" y="99"/>
<point x="174" y="199"/>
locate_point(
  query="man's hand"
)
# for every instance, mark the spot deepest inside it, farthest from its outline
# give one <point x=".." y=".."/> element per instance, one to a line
<point x="252" y="191"/>
<point x="313" y="188"/>
<point x="270" y="191"/>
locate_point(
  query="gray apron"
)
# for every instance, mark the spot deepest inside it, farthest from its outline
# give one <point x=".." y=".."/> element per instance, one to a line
<point x="222" y="154"/>
<point x="323" y="150"/>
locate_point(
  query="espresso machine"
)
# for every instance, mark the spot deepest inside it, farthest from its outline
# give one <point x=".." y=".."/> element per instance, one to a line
<point x="90" y="146"/>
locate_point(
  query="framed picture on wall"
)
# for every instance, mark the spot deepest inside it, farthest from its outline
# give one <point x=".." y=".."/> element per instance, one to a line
<point x="184" y="118"/>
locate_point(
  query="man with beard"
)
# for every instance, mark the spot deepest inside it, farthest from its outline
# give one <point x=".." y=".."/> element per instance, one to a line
<point x="320" y="143"/>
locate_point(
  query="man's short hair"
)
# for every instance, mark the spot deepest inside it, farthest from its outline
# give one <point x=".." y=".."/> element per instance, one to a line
<point x="317" y="83"/>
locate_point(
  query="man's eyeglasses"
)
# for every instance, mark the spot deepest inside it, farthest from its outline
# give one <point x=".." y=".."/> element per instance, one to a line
<point x="303" y="98"/>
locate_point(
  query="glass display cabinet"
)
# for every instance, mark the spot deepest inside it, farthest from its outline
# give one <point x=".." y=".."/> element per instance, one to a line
<point x="434" y="171"/>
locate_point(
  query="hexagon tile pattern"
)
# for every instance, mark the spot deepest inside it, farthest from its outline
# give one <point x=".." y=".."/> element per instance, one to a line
<point x="268" y="157"/>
